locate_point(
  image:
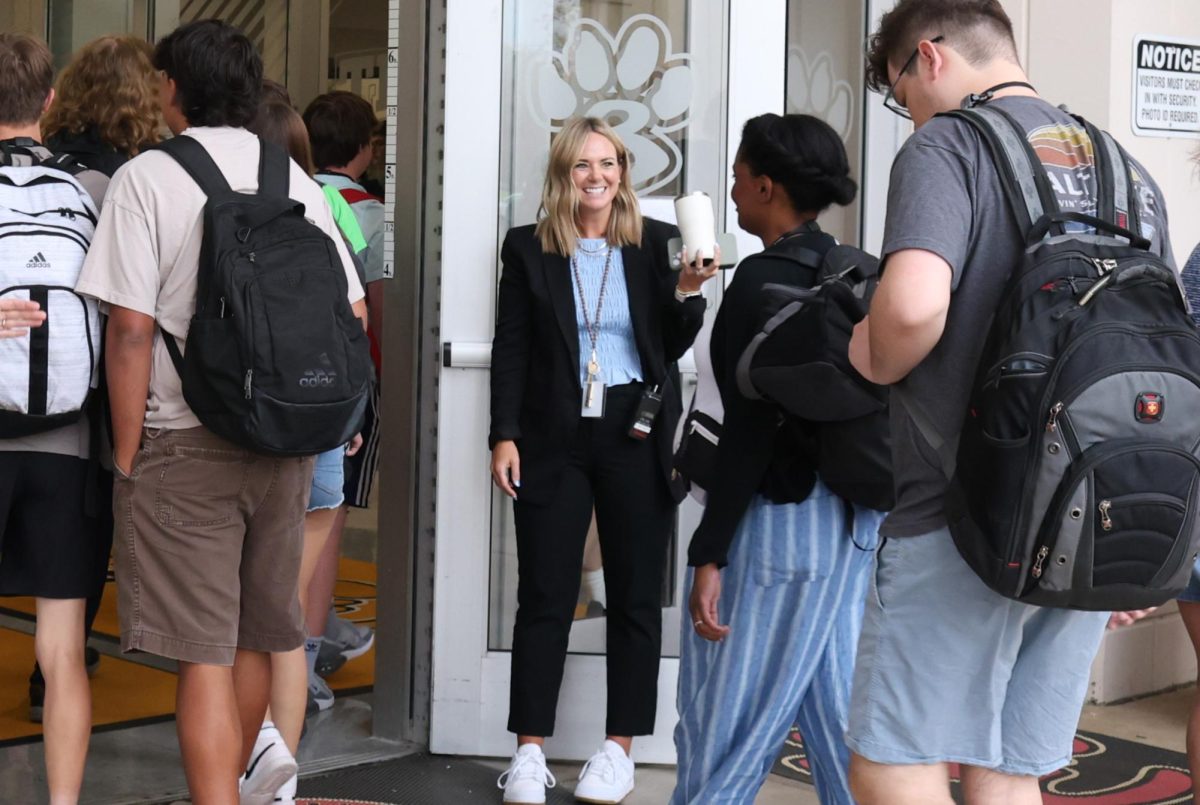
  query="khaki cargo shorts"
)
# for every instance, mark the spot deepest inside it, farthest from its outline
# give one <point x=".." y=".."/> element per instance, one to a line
<point x="208" y="544"/>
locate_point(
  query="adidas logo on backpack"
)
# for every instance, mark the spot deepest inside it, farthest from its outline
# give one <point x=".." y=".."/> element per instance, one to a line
<point x="1077" y="475"/>
<point x="38" y="261"/>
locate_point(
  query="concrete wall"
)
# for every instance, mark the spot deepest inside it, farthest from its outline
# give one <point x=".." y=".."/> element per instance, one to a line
<point x="23" y="16"/>
<point x="1087" y="63"/>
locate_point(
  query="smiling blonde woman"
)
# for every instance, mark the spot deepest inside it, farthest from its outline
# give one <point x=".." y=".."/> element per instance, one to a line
<point x="591" y="317"/>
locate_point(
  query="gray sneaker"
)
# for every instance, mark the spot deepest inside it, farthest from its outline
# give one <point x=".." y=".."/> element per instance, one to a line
<point x="349" y="639"/>
<point x="320" y="697"/>
<point x="329" y="658"/>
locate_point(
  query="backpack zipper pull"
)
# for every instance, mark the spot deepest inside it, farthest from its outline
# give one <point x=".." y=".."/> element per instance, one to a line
<point x="1042" y="553"/>
<point x="249" y="379"/>
<point x="1052" y="425"/>
<point x="250" y="257"/>
<point x="221" y="312"/>
<point x="1104" y="266"/>
<point x="1105" y="520"/>
<point x="1095" y="289"/>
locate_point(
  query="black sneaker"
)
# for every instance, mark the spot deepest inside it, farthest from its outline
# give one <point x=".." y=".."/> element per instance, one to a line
<point x="37" y="698"/>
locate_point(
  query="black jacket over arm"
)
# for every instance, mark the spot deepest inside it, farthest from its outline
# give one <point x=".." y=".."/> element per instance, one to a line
<point x="536" y="390"/>
<point x="755" y="454"/>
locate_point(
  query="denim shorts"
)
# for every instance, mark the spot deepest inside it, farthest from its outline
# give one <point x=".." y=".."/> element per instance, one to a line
<point x="1192" y="593"/>
<point x="950" y="671"/>
<point x="328" y="478"/>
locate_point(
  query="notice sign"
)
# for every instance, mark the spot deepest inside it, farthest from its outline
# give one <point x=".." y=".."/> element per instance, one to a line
<point x="1166" y="87"/>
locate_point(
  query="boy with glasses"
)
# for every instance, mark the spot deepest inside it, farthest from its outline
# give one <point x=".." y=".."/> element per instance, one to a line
<point x="933" y="632"/>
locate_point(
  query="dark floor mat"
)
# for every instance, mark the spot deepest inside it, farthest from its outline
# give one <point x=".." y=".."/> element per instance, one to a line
<point x="419" y="779"/>
<point x="1104" y="770"/>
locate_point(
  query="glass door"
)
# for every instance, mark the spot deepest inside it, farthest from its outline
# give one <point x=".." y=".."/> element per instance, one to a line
<point x="676" y="78"/>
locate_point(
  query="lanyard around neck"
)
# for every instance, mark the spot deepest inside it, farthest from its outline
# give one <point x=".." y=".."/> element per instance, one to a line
<point x="592" y="325"/>
<point x="978" y="98"/>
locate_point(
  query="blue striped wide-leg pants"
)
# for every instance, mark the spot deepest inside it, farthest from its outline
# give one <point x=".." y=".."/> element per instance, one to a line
<point x="793" y="595"/>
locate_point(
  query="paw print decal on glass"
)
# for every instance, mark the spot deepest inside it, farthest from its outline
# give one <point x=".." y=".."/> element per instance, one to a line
<point x="813" y="89"/>
<point x="634" y="80"/>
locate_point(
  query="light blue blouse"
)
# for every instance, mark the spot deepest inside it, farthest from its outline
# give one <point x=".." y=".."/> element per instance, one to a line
<point x="616" y="349"/>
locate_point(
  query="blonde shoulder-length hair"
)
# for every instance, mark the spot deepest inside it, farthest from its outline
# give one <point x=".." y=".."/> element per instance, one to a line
<point x="557" y="226"/>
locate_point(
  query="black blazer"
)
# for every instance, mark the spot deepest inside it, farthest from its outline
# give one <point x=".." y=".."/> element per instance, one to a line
<point x="536" y="388"/>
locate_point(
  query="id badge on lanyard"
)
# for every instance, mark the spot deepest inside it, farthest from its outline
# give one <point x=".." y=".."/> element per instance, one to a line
<point x="594" y="391"/>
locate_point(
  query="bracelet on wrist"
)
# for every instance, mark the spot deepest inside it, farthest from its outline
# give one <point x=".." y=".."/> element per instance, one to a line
<point x="683" y="296"/>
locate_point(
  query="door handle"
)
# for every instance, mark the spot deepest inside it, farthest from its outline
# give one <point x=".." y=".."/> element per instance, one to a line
<point x="466" y="355"/>
<point x="469" y="355"/>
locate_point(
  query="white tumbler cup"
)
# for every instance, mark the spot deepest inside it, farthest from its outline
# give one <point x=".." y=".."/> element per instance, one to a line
<point x="697" y="224"/>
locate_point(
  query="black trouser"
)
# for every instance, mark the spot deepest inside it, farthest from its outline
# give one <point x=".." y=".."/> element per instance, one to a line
<point x="621" y="477"/>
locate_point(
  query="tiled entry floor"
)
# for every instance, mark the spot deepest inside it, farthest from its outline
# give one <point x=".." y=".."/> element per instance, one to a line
<point x="142" y="765"/>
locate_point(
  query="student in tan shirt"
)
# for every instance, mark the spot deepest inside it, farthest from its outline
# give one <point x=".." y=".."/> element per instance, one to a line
<point x="209" y="534"/>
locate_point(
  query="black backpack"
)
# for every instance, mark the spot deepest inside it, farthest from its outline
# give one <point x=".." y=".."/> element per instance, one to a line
<point x="276" y="360"/>
<point x="799" y="360"/>
<point x="1076" y="476"/>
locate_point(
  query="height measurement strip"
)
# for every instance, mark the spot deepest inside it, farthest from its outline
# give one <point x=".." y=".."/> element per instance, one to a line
<point x="389" y="169"/>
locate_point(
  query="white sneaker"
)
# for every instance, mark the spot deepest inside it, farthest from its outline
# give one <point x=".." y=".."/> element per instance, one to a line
<point x="607" y="777"/>
<point x="527" y="778"/>
<point x="287" y="792"/>
<point x="271" y="764"/>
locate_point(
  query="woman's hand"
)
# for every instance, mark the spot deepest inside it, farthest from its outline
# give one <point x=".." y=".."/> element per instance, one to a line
<point x="695" y="274"/>
<point x="1119" y="619"/>
<point x="17" y="316"/>
<point x="506" y="467"/>
<point x="355" y="444"/>
<point x="702" y="604"/>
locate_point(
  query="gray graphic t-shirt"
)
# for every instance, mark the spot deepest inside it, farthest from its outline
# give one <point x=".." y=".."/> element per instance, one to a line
<point x="946" y="198"/>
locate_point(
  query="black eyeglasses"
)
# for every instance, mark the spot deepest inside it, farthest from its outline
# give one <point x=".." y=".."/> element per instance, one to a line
<point x="889" y="100"/>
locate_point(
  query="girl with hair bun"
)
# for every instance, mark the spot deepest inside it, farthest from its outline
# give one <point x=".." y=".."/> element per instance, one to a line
<point x="779" y="564"/>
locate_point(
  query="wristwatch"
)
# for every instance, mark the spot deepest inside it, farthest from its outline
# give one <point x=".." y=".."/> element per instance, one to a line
<point x="683" y="297"/>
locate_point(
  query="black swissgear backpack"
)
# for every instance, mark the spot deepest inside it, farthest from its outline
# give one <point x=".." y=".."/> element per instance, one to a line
<point x="276" y="360"/>
<point x="1077" y="473"/>
<point x="799" y="361"/>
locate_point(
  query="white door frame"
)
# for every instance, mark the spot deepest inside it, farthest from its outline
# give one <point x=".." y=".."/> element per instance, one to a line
<point x="885" y="134"/>
<point x="469" y="702"/>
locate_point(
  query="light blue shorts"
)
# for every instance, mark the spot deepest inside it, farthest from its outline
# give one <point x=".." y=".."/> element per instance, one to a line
<point x="328" y="478"/>
<point x="1192" y="593"/>
<point x="950" y="671"/>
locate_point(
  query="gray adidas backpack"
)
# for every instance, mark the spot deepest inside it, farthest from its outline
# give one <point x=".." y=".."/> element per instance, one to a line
<point x="47" y="220"/>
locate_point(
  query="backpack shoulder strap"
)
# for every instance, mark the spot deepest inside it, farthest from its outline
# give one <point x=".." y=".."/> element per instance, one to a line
<point x="65" y="163"/>
<point x="1022" y="175"/>
<point x="195" y="159"/>
<point x="946" y="452"/>
<point x="1117" y="201"/>
<point x="809" y="258"/>
<point x="274" y="167"/>
<point x="353" y="195"/>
